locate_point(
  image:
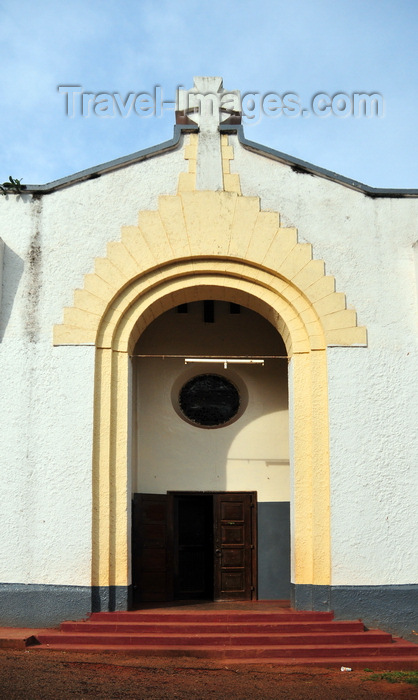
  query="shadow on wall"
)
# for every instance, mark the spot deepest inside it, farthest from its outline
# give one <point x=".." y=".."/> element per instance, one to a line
<point x="12" y="273"/>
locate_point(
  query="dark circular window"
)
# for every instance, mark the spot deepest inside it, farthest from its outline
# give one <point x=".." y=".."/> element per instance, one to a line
<point x="209" y="400"/>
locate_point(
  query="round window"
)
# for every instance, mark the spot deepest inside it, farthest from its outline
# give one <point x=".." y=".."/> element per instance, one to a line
<point x="209" y="400"/>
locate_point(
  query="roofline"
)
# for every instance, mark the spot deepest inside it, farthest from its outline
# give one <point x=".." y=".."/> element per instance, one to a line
<point x="301" y="166"/>
<point x="98" y="170"/>
<point x="297" y="165"/>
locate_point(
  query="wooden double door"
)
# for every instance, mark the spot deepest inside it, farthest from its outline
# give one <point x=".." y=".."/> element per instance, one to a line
<point x="191" y="546"/>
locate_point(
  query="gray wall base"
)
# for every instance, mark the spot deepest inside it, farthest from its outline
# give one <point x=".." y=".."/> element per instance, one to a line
<point x="110" y="598"/>
<point x="273" y="550"/>
<point x="390" y="608"/>
<point x="36" y="605"/>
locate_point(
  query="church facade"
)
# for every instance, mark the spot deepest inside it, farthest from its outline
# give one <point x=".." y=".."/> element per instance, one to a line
<point x="208" y="358"/>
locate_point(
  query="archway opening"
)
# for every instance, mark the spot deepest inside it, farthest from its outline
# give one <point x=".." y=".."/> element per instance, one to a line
<point x="191" y="465"/>
<point x="126" y="319"/>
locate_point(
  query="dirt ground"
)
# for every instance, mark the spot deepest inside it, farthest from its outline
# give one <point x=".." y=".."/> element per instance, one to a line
<point x="61" y="675"/>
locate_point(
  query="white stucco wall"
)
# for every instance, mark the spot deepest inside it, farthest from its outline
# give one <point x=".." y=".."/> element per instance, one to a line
<point x="416" y="267"/>
<point x="45" y="443"/>
<point x="250" y="454"/>
<point x="367" y="244"/>
<point x="47" y="392"/>
<point x="1" y="267"/>
<point x="374" y="479"/>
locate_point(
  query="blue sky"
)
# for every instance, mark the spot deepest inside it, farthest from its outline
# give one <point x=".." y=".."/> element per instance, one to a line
<point x="265" y="46"/>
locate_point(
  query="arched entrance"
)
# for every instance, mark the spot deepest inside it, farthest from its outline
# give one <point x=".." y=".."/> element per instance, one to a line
<point x="203" y="245"/>
<point x="210" y="456"/>
<point x="137" y="308"/>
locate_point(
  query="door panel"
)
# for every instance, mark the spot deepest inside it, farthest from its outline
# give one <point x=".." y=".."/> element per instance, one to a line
<point x="234" y="546"/>
<point x="150" y="560"/>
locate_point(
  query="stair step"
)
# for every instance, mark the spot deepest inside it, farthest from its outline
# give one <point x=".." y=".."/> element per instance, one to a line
<point x="404" y="663"/>
<point x="282" y="638"/>
<point x="219" y="639"/>
<point x="209" y="616"/>
<point x="104" y="627"/>
<point x="289" y="652"/>
<point x="17" y="641"/>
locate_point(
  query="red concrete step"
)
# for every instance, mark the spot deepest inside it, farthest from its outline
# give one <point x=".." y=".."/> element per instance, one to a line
<point x="291" y="655"/>
<point x="16" y="638"/>
<point x="220" y="639"/>
<point x="209" y="616"/>
<point x="104" y="627"/>
<point x="282" y="638"/>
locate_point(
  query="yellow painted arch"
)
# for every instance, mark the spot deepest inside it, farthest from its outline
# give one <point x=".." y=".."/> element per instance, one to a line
<point x="209" y="245"/>
<point x="281" y="303"/>
<point x="196" y="227"/>
<point x="311" y="539"/>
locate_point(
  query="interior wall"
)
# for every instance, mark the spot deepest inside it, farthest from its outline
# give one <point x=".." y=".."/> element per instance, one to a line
<point x="250" y="454"/>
